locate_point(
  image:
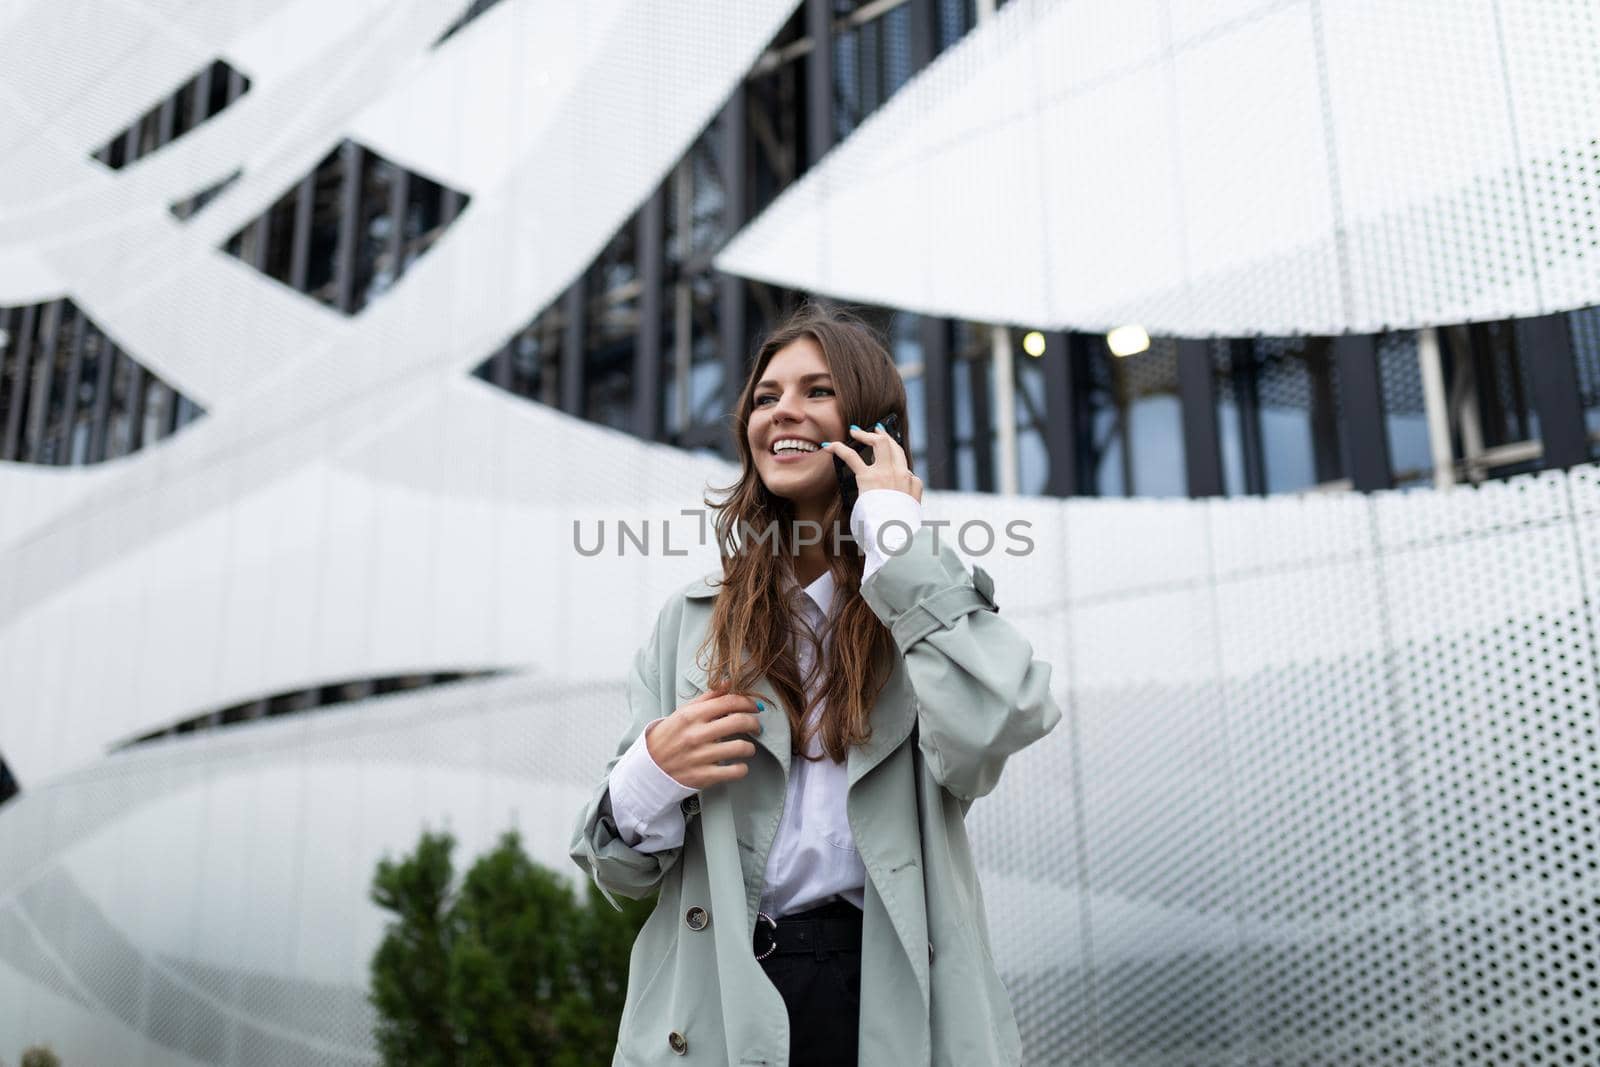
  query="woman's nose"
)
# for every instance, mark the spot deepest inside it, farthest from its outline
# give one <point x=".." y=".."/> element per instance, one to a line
<point x="786" y="409"/>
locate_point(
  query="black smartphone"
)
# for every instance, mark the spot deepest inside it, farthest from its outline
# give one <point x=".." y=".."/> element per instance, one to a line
<point x="847" y="477"/>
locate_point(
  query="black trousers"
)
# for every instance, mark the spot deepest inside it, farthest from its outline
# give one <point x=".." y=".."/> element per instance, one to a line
<point x="816" y="966"/>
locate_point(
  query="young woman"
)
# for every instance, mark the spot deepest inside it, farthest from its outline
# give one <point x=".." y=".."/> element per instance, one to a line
<point x="798" y="799"/>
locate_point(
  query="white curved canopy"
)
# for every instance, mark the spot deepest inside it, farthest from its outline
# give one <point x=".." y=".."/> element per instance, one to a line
<point x="1228" y="169"/>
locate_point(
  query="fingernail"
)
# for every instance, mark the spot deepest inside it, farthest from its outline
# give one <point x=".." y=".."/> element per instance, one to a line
<point x="760" y="706"/>
<point x="825" y="444"/>
<point x="853" y="426"/>
<point x="880" y="425"/>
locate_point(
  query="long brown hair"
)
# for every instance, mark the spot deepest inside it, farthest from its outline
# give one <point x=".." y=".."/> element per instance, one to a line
<point x="752" y="625"/>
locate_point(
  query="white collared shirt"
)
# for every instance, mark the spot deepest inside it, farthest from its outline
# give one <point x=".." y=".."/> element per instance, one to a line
<point x="813" y="856"/>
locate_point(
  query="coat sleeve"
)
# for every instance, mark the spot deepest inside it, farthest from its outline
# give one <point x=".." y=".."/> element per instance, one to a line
<point x="597" y="845"/>
<point x="982" y="694"/>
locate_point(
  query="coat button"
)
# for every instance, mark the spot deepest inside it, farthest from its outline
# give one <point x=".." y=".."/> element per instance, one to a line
<point x="678" y="1043"/>
<point x="691" y="805"/>
<point x="696" y="918"/>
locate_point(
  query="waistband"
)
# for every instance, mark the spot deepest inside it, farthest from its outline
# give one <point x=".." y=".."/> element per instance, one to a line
<point x="834" y="927"/>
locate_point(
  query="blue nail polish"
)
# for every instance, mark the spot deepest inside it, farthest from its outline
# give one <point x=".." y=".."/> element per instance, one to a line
<point x="853" y="426"/>
<point x="880" y="425"/>
<point x="824" y="444"/>
<point x="760" y="706"/>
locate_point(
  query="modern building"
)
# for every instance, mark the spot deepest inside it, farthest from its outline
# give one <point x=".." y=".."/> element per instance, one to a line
<point x="324" y="328"/>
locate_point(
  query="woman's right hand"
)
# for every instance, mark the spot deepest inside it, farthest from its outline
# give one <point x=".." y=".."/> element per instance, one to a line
<point x="689" y="743"/>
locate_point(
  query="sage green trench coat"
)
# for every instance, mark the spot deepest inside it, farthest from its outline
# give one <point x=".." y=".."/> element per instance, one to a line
<point x="964" y="695"/>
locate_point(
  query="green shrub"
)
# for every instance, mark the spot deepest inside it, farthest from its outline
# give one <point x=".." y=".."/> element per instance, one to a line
<point x="509" y="967"/>
<point x="40" y="1056"/>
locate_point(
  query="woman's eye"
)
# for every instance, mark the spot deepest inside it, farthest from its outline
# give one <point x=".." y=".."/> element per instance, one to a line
<point x="769" y="396"/>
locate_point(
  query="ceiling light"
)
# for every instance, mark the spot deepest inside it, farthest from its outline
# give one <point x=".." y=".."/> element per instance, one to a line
<point x="1127" y="340"/>
<point x="1033" y="343"/>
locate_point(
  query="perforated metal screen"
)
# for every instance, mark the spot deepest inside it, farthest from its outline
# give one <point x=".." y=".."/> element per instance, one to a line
<point x="1325" y="792"/>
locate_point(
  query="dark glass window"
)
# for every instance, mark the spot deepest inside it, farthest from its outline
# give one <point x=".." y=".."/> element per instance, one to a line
<point x="57" y="380"/>
<point x="1585" y="326"/>
<point x="871" y="61"/>
<point x="381" y="245"/>
<point x="216" y="86"/>
<point x="1297" y="399"/>
<point x="1404" y="412"/>
<point x="1135" y="440"/>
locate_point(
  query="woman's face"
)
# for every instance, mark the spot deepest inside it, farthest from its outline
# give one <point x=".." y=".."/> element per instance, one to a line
<point x="795" y="401"/>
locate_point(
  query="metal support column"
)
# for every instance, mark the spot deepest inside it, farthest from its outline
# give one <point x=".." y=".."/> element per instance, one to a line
<point x="1437" y="406"/>
<point x="100" y="422"/>
<point x="1545" y="344"/>
<point x="1005" y="407"/>
<point x="1246" y="375"/>
<point x="1361" y="393"/>
<point x="924" y="15"/>
<point x="130" y="145"/>
<point x="682" y="185"/>
<point x="169" y="413"/>
<point x="43" y="377"/>
<point x="940" y="414"/>
<point x="305" y="203"/>
<point x="648" y="238"/>
<point x="344" y="270"/>
<point x="1324" y="411"/>
<point x="982" y="423"/>
<point x="260" y="231"/>
<point x="819" y="80"/>
<point x="138" y="381"/>
<point x="200" y="108"/>
<point x="21" y="379"/>
<point x="732" y="321"/>
<point x="69" y="405"/>
<point x="9" y="341"/>
<point x="1202" y="443"/>
<point x="1060" y="415"/>
<point x="573" y="306"/>
<point x="166" y="120"/>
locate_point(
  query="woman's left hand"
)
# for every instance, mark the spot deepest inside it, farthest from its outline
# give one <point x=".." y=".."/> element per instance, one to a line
<point x="888" y="469"/>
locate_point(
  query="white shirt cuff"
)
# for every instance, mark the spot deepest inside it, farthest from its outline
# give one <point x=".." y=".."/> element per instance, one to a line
<point x="645" y="799"/>
<point x="883" y="523"/>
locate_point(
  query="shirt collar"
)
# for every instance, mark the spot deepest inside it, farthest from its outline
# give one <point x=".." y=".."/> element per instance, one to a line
<point x="820" y="590"/>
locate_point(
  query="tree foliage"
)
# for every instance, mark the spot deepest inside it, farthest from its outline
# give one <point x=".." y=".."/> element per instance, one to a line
<point x="509" y="967"/>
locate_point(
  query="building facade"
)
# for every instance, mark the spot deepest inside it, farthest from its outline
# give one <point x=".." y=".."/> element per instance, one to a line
<point x="325" y="331"/>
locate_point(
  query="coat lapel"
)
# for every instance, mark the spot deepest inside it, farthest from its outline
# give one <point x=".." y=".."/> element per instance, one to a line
<point x="892" y="718"/>
<point x="774" y="735"/>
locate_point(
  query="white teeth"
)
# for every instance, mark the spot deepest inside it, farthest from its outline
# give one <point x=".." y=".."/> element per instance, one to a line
<point x="789" y="444"/>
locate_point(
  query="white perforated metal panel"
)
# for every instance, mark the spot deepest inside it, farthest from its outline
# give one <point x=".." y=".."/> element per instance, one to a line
<point x="1278" y="167"/>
